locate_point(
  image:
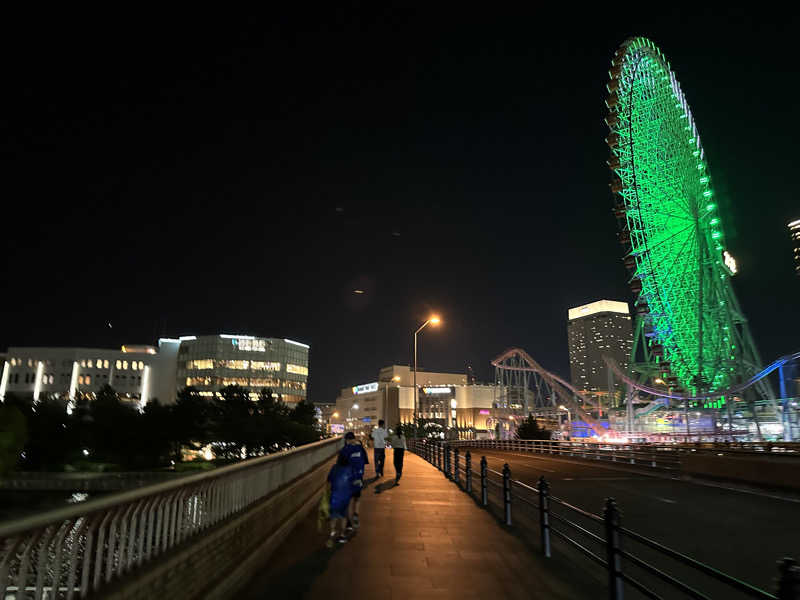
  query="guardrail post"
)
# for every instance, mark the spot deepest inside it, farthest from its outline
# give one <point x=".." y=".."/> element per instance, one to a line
<point x="455" y="466"/>
<point x="468" y="469"/>
<point x="615" y="582"/>
<point x="789" y="582"/>
<point x="447" y="460"/>
<point x="484" y="485"/>
<point x="544" y="515"/>
<point x="507" y="492"/>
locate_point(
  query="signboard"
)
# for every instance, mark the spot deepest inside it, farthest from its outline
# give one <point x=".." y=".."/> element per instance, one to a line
<point x="366" y="388"/>
<point x="437" y="390"/>
<point x="366" y="419"/>
<point x="483" y="411"/>
<point x="337" y="427"/>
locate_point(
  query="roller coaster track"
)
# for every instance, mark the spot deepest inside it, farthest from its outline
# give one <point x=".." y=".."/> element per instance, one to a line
<point x="566" y="392"/>
<point x="612" y="364"/>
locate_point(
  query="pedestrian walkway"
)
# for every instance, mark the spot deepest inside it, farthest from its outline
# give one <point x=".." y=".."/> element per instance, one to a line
<point x="422" y="539"/>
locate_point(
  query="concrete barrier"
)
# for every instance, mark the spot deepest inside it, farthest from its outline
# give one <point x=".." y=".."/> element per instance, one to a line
<point x="766" y="470"/>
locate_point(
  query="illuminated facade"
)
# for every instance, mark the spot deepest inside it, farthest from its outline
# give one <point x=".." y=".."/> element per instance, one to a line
<point x="134" y="371"/>
<point x="212" y="362"/>
<point x="794" y="233"/>
<point x="595" y="330"/>
<point x="143" y="373"/>
<point x="445" y="398"/>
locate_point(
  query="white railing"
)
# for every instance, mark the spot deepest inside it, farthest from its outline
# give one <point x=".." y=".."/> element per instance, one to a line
<point x="76" y="550"/>
<point x="659" y="456"/>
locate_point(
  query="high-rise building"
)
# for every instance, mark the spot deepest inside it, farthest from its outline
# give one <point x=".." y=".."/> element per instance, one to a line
<point x="794" y="232"/>
<point x="596" y="330"/>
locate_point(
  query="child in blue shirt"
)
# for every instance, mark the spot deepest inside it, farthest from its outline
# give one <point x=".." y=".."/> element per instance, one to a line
<point x="340" y="486"/>
<point x="357" y="457"/>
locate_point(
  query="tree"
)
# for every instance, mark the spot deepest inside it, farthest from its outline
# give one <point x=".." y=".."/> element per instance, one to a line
<point x="529" y="430"/>
<point x="13" y="436"/>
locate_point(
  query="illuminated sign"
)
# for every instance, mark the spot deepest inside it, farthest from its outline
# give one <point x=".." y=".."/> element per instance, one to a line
<point x="437" y="390"/>
<point x="366" y="388"/>
<point x="337" y="427"/>
<point x="730" y="262"/>
<point x="248" y="344"/>
<point x="483" y="411"/>
<point x="297" y="369"/>
<point x="598" y="307"/>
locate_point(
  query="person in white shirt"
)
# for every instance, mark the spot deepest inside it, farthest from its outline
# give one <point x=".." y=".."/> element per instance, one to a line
<point x="379" y="447"/>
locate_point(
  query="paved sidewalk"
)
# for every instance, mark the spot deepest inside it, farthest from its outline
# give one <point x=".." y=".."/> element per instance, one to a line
<point x="422" y="539"/>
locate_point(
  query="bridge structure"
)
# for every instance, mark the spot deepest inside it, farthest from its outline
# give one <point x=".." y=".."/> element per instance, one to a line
<point x="247" y="530"/>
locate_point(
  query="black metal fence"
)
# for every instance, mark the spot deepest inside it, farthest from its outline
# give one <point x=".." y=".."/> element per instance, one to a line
<point x="631" y="561"/>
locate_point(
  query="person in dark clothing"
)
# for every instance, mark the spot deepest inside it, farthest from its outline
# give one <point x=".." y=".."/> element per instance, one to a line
<point x="340" y="487"/>
<point x="357" y="458"/>
<point x="398" y="443"/>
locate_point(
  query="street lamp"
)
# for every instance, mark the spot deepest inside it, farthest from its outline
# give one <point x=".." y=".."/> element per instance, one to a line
<point x="435" y="320"/>
<point x="569" y="419"/>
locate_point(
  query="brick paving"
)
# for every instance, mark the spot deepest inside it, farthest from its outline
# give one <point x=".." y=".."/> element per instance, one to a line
<point x="422" y="539"/>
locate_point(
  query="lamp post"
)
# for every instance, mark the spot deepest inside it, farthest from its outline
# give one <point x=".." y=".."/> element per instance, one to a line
<point x="569" y="420"/>
<point x="434" y="320"/>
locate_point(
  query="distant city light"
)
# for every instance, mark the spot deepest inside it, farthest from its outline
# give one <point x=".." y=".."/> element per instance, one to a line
<point x="358" y="291"/>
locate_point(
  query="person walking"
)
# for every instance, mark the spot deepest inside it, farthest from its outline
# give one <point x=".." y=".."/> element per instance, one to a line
<point x="379" y="435"/>
<point x="398" y="443"/>
<point x="340" y="489"/>
<point x="356" y="456"/>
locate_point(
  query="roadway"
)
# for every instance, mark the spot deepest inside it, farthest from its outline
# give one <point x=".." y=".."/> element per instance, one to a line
<point x="742" y="533"/>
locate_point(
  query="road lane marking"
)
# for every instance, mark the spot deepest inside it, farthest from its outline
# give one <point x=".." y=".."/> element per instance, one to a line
<point x="667" y="500"/>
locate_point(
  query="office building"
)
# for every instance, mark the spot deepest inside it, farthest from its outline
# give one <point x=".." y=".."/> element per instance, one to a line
<point x="594" y="330"/>
<point x="142" y="373"/>
<point x="134" y="371"/>
<point x="212" y="362"/>
<point x="794" y="234"/>
<point x="447" y="399"/>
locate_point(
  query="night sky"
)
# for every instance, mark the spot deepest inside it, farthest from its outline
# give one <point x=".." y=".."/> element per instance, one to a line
<point x="177" y="175"/>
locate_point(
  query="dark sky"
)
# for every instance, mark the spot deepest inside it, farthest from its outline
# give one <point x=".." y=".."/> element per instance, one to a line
<point x="184" y="175"/>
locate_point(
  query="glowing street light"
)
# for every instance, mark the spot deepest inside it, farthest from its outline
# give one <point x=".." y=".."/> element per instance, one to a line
<point x="434" y="319"/>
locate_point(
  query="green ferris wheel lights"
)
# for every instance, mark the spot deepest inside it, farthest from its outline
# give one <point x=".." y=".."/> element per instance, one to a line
<point x="670" y="227"/>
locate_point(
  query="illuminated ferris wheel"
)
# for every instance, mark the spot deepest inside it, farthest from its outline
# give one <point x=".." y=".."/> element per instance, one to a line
<point x="691" y="333"/>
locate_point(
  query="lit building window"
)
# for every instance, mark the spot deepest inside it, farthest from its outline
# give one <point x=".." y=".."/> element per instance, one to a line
<point x="260" y="365"/>
<point x="83" y="363"/>
<point x="80" y="379"/>
<point x="13" y="362"/>
<point x="89" y="363"/>
<point x="134" y="365"/>
<point x="119" y="364"/>
<point x="124" y="365"/>
<point x="203" y="363"/>
<point x="141" y="365"/>
<point x="88" y="379"/>
<point x="241" y="365"/>
<point x="297" y="369"/>
<point x="105" y="364"/>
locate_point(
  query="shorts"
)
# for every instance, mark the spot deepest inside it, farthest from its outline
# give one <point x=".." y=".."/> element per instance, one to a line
<point x="339" y="511"/>
<point x="357" y="493"/>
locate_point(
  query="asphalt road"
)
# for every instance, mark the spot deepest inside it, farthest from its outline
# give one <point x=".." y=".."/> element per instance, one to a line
<point x="740" y="533"/>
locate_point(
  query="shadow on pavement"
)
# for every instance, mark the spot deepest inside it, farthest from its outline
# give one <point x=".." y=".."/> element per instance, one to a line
<point x="386" y="485"/>
<point x="294" y="566"/>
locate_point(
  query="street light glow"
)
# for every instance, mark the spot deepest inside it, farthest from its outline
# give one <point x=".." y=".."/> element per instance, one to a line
<point x="355" y="406"/>
<point x="335" y="415"/>
<point x="435" y="320"/>
<point x="562" y="407"/>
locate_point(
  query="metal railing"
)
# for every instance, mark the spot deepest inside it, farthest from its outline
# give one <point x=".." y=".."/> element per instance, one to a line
<point x="598" y="537"/>
<point x="79" y="549"/>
